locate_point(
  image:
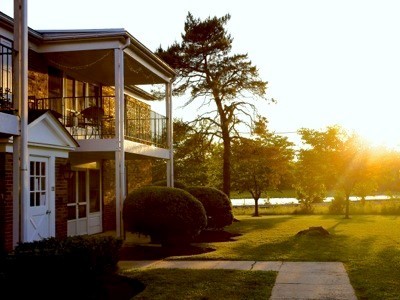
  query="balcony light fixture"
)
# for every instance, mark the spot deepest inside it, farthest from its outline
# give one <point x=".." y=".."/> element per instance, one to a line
<point x="66" y="171"/>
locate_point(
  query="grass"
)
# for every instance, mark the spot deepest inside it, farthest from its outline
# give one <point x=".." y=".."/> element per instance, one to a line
<point x="204" y="284"/>
<point x="368" y="245"/>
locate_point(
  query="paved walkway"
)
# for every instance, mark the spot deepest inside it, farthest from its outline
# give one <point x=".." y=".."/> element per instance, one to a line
<point x="296" y="280"/>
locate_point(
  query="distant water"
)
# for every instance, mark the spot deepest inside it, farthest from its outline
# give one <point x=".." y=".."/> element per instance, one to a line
<point x="262" y="201"/>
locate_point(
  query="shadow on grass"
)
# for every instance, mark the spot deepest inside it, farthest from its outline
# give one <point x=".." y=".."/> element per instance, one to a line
<point x="352" y="218"/>
<point x="156" y="251"/>
<point x="248" y="224"/>
<point x="333" y="247"/>
<point x="378" y="275"/>
<point x="110" y="286"/>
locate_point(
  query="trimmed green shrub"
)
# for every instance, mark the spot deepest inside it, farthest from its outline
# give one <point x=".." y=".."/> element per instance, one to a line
<point x="217" y="205"/>
<point x="177" y="184"/>
<point x="82" y="254"/>
<point x="168" y="215"/>
<point x="56" y="261"/>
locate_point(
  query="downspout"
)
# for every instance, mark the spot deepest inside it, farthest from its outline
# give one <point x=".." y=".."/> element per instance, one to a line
<point x="20" y="144"/>
<point x="120" y="176"/>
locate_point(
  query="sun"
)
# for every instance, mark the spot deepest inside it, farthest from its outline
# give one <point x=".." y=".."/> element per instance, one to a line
<point x="380" y="136"/>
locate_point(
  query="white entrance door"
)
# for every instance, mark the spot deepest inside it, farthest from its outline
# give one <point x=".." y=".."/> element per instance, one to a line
<point x="77" y="205"/>
<point x="84" y="207"/>
<point x="38" y="226"/>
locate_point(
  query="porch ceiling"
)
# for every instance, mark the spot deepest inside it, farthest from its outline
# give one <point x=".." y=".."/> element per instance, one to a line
<point x="98" y="66"/>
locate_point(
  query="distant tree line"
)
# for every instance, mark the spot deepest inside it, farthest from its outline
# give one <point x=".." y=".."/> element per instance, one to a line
<point x="329" y="162"/>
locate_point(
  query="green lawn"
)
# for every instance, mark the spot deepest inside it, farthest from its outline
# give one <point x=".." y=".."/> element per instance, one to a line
<point x="204" y="284"/>
<point x="369" y="246"/>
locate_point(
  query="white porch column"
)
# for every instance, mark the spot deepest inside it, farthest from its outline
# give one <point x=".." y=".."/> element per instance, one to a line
<point x="170" y="162"/>
<point x="20" y="143"/>
<point x="119" y="135"/>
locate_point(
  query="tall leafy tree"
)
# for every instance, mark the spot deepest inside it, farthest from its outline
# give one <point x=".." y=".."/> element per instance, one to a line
<point x="225" y="86"/>
<point x="260" y="162"/>
<point x="333" y="159"/>
<point x="191" y="154"/>
<point x="387" y="170"/>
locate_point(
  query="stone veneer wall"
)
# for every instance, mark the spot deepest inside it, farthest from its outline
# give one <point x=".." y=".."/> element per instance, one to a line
<point x="136" y="111"/>
<point x="138" y="173"/>
<point x="38" y="77"/>
<point x="6" y="202"/>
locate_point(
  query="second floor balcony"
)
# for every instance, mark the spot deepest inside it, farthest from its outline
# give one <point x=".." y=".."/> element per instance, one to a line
<point x="94" y="118"/>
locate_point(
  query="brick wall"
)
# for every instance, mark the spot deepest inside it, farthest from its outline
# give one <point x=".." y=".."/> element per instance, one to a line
<point x="138" y="173"/>
<point x="6" y="201"/>
<point x="61" y="200"/>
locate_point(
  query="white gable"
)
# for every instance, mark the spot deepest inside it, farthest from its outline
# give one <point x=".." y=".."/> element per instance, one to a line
<point x="47" y="132"/>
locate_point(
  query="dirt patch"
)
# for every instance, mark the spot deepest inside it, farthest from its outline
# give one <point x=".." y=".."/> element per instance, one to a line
<point x="314" y="231"/>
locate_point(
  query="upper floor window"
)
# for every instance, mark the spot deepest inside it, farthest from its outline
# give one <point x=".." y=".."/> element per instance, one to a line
<point x="5" y="73"/>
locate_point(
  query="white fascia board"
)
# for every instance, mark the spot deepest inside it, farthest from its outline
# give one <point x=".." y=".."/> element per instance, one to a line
<point x="78" y="46"/>
<point x="49" y="152"/>
<point x="7" y="34"/>
<point x="137" y="96"/>
<point x="39" y="149"/>
<point x="51" y="146"/>
<point x="9" y="124"/>
<point x="145" y="150"/>
<point x="148" y="66"/>
<point x="92" y="145"/>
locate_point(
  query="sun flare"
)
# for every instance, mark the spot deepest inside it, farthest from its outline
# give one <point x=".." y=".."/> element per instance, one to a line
<point x="380" y="137"/>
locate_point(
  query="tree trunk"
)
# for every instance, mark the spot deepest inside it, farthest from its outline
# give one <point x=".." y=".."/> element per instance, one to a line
<point x="256" y="207"/>
<point x="347" y="206"/>
<point x="226" y="171"/>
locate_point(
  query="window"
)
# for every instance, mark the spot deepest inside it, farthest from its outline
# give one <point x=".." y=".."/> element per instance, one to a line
<point x="5" y="73"/>
<point x="38" y="189"/>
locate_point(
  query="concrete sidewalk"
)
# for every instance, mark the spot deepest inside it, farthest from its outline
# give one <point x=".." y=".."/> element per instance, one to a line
<point x="296" y="280"/>
<point x="312" y="280"/>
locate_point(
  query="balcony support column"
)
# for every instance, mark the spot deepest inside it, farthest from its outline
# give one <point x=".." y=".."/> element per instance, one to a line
<point x="170" y="162"/>
<point x="20" y="143"/>
<point x="120" y="179"/>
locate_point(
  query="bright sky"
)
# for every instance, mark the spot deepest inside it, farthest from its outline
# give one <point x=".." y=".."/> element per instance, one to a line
<point x="327" y="62"/>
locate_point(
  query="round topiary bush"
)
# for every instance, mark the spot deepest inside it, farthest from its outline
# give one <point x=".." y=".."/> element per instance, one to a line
<point x="177" y="184"/>
<point x="168" y="215"/>
<point x="217" y="205"/>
